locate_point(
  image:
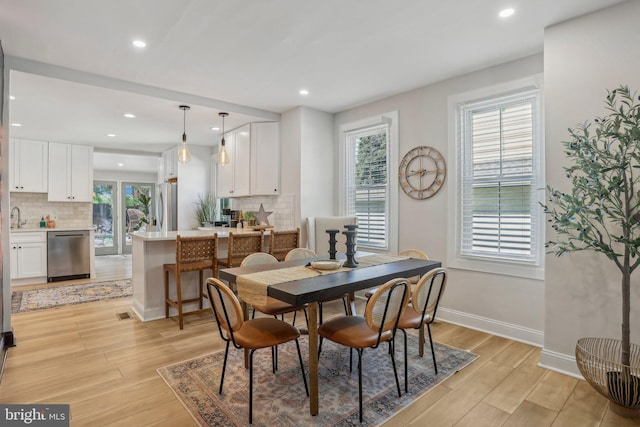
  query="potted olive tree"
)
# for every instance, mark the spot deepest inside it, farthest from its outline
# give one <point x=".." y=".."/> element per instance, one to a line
<point x="601" y="212"/>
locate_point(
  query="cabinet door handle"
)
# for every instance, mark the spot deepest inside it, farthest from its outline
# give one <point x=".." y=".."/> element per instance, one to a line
<point x="19" y="247"/>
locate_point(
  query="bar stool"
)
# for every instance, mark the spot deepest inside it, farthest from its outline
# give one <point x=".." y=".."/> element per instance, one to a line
<point x="281" y="242"/>
<point x="192" y="254"/>
<point x="240" y="246"/>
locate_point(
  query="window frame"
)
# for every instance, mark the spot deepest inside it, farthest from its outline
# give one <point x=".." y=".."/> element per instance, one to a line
<point x="391" y="120"/>
<point x="534" y="268"/>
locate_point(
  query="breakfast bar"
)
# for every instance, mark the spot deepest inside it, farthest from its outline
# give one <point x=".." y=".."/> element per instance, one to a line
<point x="150" y="251"/>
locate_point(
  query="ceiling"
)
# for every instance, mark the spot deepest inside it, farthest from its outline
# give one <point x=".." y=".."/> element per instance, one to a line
<point x="245" y="53"/>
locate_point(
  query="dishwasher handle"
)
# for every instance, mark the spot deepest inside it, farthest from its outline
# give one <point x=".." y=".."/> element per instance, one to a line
<point x="57" y="234"/>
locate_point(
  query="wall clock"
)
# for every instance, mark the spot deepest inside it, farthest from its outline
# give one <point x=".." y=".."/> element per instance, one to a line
<point x="422" y="172"/>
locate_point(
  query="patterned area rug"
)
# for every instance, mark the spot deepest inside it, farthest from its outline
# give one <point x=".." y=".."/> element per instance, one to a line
<point x="57" y="296"/>
<point x="280" y="399"/>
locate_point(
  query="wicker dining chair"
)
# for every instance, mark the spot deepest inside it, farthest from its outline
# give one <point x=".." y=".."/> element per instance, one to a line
<point x="240" y="246"/>
<point x="281" y="242"/>
<point x="264" y="332"/>
<point x="422" y="311"/>
<point x="192" y="254"/>
<point x="378" y="325"/>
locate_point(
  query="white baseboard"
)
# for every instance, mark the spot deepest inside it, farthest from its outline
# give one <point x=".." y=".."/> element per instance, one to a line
<point x="559" y="362"/>
<point x="492" y="326"/>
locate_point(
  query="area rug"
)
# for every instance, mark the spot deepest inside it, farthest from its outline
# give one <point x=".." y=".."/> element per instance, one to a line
<point x="280" y="399"/>
<point x="58" y="296"/>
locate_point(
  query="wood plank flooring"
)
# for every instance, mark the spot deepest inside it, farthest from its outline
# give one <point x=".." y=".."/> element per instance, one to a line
<point x="105" y="368"/>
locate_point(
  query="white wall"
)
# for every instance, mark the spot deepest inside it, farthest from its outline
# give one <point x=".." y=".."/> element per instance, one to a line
<point x="194" y="178"/>
<point x="582" y="59"/>
<point x="501" y="304"/>
<point x="108" y="175"/>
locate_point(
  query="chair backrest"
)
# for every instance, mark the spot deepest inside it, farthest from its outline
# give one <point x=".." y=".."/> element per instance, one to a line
<point x="197" y="253"/>
<point x="281" y="242"/>
<point x="242" y="245"/>
<point x="414" y="253"/>
<point x="427" y="293"/>
<point x="386" y="305"/>
<point x="318" y="239"/>
<point x="258" y="258"/>
<point x="300" y="253"/>
<point x="225" y="307"/>
<point x="134" y="216"/>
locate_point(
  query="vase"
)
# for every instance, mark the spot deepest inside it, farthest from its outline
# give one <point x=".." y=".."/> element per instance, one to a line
<point x="599" y="362"/>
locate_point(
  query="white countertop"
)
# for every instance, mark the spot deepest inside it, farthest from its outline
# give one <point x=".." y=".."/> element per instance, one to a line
<point x="36" y="229"/>
<point x="223" y="232"/>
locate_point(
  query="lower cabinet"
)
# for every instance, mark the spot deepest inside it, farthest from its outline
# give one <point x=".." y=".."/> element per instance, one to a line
<point x="28" y="255"/>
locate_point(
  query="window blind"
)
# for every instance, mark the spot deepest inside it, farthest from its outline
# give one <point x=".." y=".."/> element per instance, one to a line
<point x="367" y="184"/>
<point x="498" y="204"/>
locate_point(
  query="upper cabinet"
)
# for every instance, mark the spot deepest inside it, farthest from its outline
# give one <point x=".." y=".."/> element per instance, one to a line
<point x="28" y="162"/>
<point x="254" y="166"/>
<point x="70" y="173"/>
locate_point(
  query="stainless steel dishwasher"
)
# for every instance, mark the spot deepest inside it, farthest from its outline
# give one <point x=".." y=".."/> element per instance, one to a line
<point x="68" y="255"/>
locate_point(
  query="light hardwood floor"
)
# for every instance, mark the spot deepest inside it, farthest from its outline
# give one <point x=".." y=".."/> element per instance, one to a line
<point x="105" y="369"/>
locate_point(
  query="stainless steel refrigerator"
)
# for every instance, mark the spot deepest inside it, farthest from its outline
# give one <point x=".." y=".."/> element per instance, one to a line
<point x="168" y="206"/>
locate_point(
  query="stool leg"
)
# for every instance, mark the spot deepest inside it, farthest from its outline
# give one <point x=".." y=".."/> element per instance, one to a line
<point x="201" y="285"/>
<point x="166" y="294"/>
<point x="179" y="299"/>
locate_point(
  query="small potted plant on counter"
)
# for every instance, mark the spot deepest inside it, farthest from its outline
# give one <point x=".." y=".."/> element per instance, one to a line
<point x="206" y="209"/>
<point x="249" y="218"/>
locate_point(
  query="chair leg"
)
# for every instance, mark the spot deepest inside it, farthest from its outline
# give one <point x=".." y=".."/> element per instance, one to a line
<point x="294" y="318"/>
<point x="306" y="317"/>
<point x="433" y="353"/>
<point x="359" y="350"/>
<point x="320" y="312"/>
<point x="251" y="386"/>
<point x="273" y="359"/>
<point x="395" y="373"/>
<point x="421" y="340"/>
<point x="406" y="363"/>
<point x="346" y="309"/>
<point x="304" y="377"/>
<point x="350" y="359"/>
<point x="224" y="366"/>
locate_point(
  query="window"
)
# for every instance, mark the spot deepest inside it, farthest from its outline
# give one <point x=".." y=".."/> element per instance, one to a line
<point x="498" y="154"/>
<point x="368" y="186"/>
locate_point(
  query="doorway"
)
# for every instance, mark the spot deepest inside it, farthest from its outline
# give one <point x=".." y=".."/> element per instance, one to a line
<point x="138" y="210"/>
<point x="105" y="194"/>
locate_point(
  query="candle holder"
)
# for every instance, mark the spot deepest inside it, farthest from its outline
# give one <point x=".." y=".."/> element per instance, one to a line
<point x="352" y="227"/>
<point x="332" y="243"/>
<point x="351" y="253"/>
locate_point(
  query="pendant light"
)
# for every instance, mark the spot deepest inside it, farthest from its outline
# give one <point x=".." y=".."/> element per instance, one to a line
<point x="183" y="154"/>
<point x="223" y="156"/>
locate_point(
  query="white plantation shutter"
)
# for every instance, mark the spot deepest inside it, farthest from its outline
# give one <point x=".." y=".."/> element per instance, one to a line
<point x="367" y="184"/>
<point x="498" y="209"/>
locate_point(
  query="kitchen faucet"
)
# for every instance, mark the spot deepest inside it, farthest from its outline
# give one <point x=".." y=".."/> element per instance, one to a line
<point x="20" y="223"/>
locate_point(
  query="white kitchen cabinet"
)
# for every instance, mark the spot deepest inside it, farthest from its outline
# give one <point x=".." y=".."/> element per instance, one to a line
<point x="170" y="162"/>
<point x="265" y="158"/>
<point x="70" y="173"/>
<point x="254" y="166"/>
<point x="28" y="165"/>
<point x="28" y="253"/>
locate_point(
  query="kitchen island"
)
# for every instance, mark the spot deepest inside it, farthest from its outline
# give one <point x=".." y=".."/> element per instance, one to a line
<point x="150" y="251"/>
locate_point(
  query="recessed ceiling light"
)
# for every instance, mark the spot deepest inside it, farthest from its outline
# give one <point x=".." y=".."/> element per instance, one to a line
<point x="505" y="13"/>
<point x="111" y="135"/>
<point x="139" y="43"/>
<point x="215" y="128"/>
<point x="130" y="116"/>
<point x="16" y="124"/>
<point x="303" y="92"/>
<point x="11" y="97"/>
<point x="120" y="165"/>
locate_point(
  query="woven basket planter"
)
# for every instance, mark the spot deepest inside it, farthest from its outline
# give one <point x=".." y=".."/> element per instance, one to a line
<point x="599" y="362"/>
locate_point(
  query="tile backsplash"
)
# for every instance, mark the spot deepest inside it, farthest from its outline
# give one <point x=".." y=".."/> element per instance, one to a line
<point x="283" y="208"/>
<point x="34" y="206"/>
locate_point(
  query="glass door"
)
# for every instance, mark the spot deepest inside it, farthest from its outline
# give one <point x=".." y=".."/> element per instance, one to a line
<point x="138" y="210"/>
<point x="104" y="196"/>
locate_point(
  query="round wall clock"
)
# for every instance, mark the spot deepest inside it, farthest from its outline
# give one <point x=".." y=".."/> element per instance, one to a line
<point x="422" y="172"/>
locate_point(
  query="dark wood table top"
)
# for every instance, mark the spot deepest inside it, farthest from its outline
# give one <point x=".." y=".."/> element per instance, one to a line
<point x="327" y="286"/>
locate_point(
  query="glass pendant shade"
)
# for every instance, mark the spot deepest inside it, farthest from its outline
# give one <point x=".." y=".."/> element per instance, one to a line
<point x="223" y="155"/>
<point x="183" y="153"/>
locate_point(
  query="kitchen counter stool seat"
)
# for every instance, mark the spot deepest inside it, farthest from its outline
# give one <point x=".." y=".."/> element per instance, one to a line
<point x="281" y="242"/>
<point x="192" y="254"/>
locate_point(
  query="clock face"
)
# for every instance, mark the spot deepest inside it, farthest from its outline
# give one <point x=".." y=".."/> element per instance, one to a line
<point x="422" y="172"/>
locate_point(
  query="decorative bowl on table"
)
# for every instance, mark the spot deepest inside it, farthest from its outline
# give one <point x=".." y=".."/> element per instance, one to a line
<point x="330" y="264"/>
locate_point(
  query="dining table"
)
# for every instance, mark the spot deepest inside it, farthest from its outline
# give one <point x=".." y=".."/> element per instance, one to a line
<point x="288" y="282"/>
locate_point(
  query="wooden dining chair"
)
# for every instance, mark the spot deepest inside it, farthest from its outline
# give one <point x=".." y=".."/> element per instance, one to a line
<point x="273" y="306"/>
<point x="422" y="311"/>
<point x="264" y="332"/>
<point x="241" y="245"/>
<point x="192" y="254"/>
<point x="281" y="242"/>
<point x="299" y="253"/>
<point x="378" y="325"/>
<point x="411" y="253"/>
